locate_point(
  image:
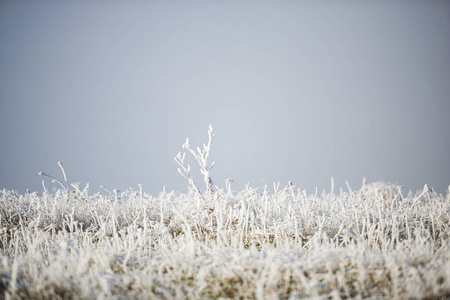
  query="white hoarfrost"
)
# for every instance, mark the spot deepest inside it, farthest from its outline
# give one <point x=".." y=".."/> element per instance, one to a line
<point x="256" y="243"/>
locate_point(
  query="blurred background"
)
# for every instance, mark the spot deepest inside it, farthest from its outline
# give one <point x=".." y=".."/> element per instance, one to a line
<point x="297" y="91"/>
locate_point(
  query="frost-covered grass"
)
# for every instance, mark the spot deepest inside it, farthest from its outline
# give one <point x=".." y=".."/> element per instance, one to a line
<point x="262" y="243"/>
<point x="258" y="243"/>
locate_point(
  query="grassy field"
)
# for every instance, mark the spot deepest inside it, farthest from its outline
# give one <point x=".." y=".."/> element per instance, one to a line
<point x="259" y="243"/>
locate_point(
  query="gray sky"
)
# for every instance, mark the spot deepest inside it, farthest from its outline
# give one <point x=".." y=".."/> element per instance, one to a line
<point x="297" y="91"/>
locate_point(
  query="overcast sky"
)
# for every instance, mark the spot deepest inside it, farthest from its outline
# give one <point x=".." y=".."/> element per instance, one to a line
<point x="297" y="91"/>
